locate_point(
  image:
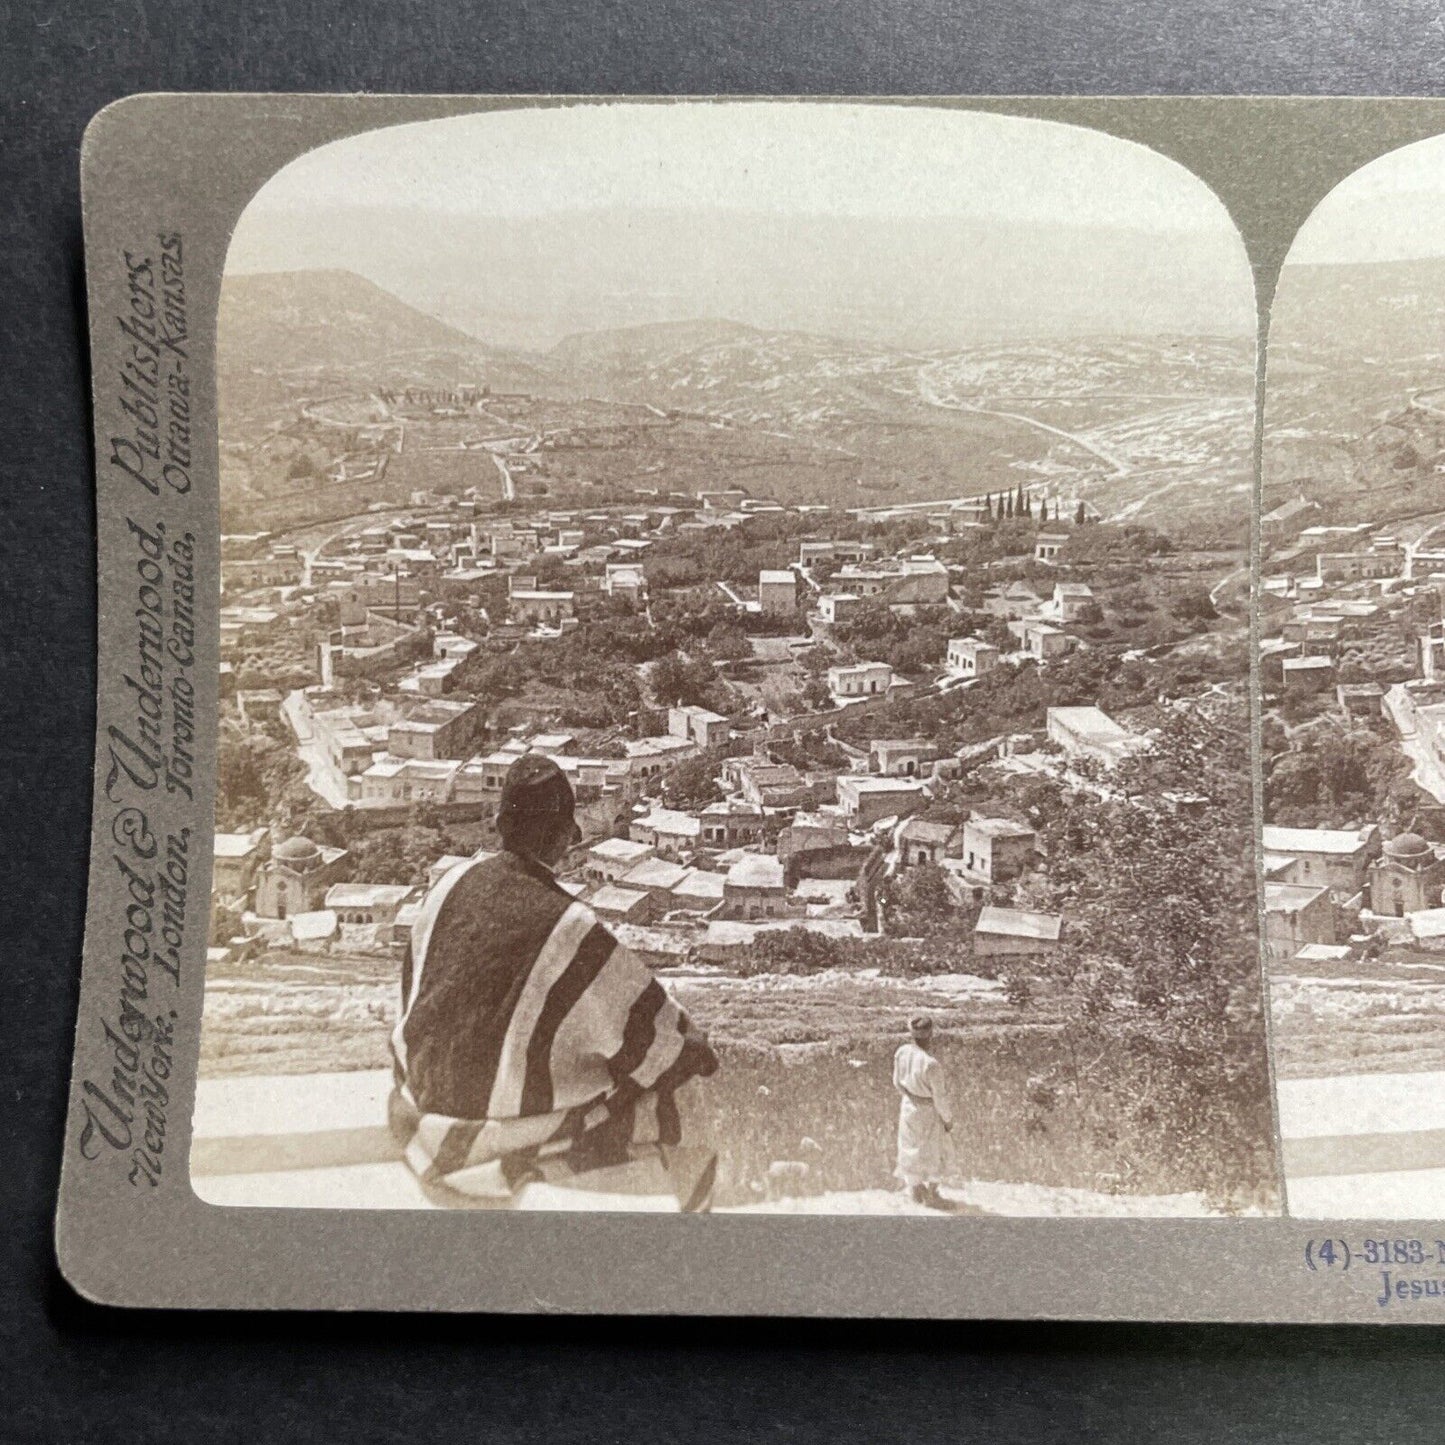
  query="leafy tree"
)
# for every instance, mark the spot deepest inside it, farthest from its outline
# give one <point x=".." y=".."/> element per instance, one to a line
<point x="917" y="902"/>
<point x="693" y="783"/>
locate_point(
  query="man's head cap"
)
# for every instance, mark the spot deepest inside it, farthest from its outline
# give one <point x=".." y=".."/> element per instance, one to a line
<point x="535" y="791"/>
<point x="920" y="1026"/>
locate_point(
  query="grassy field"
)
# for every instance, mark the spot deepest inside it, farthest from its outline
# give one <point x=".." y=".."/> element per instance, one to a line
<point x="805" y="1072"/>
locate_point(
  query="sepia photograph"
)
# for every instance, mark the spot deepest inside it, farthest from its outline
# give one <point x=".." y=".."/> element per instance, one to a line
<point x="736" y="671"/>
<point x="1352" y="672"/>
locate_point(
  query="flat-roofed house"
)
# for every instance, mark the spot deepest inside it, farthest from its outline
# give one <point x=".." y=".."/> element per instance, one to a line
<point x="1333" y="858"/>
<point x="658" y="876"/>
<point x="754" y="887"/>
<point x="1072" y="601"/>
<point x="436" y="729"/>
<point x="867" y="799"/>
<point x="766" y="784"/>
<point x="669" y="832"/>
<point x="609" y="859"/>
<point x="1015" y="932"/>
<point x="997" y="849"/>
<point x="900" y="757"/>
<point x="238" y="859"/>
<point x="1315" y="673"/>
<point x="839" y="606"/>
<point x="970" y="656"/>
<point x="367" y="902"/>
<point x="706" y="728"/>
<point x="731" y="824"/>
<point x="1041" y="640"/>
<point x="622" y="905"/>
<point x="700" y="891"/>
<point x="1048" y="545"/>
<point x="922" y="841"/>
<point x="1295" y="915"/>
<point x="1088" y="732"/>
<point x="778" y="591"/>
<point x="849" y="682"/>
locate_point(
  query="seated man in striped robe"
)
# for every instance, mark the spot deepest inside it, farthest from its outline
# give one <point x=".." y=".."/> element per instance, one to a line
<point x="532" y="1046"/>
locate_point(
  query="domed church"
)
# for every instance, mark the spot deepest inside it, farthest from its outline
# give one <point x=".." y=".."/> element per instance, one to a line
<point x="296" y="878"/>
<point x="1407" y="876"/>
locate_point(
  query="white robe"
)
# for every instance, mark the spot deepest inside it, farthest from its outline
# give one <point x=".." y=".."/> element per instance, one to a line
<point x="923" y="1110"/>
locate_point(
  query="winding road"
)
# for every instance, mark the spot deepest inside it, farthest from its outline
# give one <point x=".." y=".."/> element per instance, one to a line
<point x="928" y="390"/>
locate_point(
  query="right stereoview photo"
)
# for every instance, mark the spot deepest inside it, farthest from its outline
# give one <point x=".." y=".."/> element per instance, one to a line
<point x="1352" y="677"/>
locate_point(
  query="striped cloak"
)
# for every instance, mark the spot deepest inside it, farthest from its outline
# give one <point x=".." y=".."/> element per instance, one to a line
<point x="531" y="1044"/>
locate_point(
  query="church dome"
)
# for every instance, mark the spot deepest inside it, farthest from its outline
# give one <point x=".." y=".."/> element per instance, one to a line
<point x="1408" y="847"/>
<point x="298" y="853"/>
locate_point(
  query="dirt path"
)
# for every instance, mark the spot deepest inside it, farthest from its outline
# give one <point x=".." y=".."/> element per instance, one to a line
<point x="929" y="392"/>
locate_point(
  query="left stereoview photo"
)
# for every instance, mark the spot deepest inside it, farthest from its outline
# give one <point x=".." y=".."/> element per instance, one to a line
<point x="735" y="673"/>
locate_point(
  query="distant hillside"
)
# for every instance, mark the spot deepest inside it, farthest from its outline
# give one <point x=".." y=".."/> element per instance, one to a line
<point x="1378" y="311"/>
<point x="324" y="319"/>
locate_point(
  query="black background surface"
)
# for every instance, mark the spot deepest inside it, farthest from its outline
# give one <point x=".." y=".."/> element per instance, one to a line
<point x="73" y="1372"/>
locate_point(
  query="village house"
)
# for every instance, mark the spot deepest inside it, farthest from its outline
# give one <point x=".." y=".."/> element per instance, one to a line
<point x="731" y="824"/>
<point x="849" y="683"/>
<point x="1296" y="915"/>
<point x="657" y="876"/>
<point x="434" y="730"/>
<point x="700" y="891"/>
<point x="707" y="729"/>
<point x="778" y="592"/>
<point x="766" y="784"/>
<point x="1072" y="601"/>
<point x="613" y="904"/>
<point x="1040" y="640"/>
<point x="1360" y="699"/>
<point x="394" y="782"/>
<point x="668" y="832"/>
<point x="1312" y="674"/>
<point x="1376" y="562"/>
<point x="839" y="606"/>
<point x="606" y="861"/>
<point x="996" y="849"/>
<point x="921" y="841"/>
<point x="970" y="657"/>
<point x="649" y="758"/>
<point x="238" y="860"/>
<point x="866" y="799"/>
<point x="625" y="581"/>
<point x="754" y="888"/>
<point x="366" y="903"/>
<point x="1087" y="732"/>
<point x="1015" y="933"/>
<point x="898" y="758"/>
<point x="249" y="572"/>
<point x="1333" y="858"/>
<point x="811" y="832"/>
<point x="1047" y="545"/>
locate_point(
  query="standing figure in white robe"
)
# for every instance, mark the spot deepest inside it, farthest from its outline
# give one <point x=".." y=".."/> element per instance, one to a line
<point x="925" y="1114"/>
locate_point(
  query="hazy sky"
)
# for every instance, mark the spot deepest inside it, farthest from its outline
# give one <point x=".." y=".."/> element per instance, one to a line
<point x="521" y="225"/>
<point x="1390" y="210"/>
